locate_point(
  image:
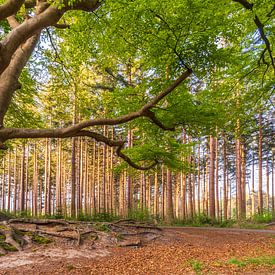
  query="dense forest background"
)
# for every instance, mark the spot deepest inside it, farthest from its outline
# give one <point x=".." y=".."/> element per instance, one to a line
<point x="204" y="149"/>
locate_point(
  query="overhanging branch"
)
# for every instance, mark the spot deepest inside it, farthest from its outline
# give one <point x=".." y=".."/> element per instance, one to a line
<point x="78" y="129"/>
<point x="249" y="6"/>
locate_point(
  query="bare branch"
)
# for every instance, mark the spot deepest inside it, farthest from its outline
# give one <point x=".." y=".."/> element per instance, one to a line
<point x="260" y="25"/>
<point x="119" y="78"/>
<point x="246" y="4"/>
<point x="61" y="26"/>
<point x="151" y="115"/>
<point x="265" y="39"/>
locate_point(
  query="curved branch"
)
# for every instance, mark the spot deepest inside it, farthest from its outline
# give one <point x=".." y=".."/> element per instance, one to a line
<point x="249" y="6"/>
<point x="9" y="8"/>
<point x="12" y="133"/>
<point x="116" y="143"/>
<point x="49" y="17"/>
<point x="77" y="130"/>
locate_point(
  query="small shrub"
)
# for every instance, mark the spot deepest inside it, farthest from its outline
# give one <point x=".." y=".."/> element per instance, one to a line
<point x="264" y="217"/>
<point x="140" y="215"/>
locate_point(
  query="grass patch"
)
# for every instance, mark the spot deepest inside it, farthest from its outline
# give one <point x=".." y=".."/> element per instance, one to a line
<point x="263" y="260"/>
<point x="196" y="265"/>
<point x="248" y="225"/>
<point x="8" y="247"/>
<point x="41" y="240"/>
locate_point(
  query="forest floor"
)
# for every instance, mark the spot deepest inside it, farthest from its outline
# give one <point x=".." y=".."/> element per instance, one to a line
<point x="149" y="250"/>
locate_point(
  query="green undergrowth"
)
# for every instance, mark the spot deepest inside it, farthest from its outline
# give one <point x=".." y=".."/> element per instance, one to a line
<point x="257" y="221"/>
<point x="259" y="261"/>
<point x="196" y="265"/>
<point x="41" y="239"/>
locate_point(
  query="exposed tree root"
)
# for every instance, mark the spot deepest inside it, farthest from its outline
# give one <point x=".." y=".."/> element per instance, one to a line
<point x="23" y="232"/>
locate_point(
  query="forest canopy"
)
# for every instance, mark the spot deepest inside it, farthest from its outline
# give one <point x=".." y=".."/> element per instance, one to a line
<point x="138" y="76"/>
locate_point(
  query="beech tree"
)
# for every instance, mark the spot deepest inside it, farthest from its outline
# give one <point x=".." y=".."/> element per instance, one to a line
<point x="133" y="76"/>
<point x="27" y="20"/>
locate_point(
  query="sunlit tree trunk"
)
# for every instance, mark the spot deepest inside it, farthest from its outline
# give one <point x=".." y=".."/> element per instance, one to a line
<point x="35" y="182"/>
<point x="238" y="179"/>
<point x="163" y="191"/>
<point x="243" y="181"/>
<point x="169" y="211"/>
<point x="273" y="187"/>
<point x="22" y="181"/>
<point x="212" y="178"/>
<point x="129" y="178"/>
<point x="9" y="182"/>
<point x="267" y="183"/>
<point x="225" y="183"/>
<point x="260" y="174"/>
<point x="253" y="187"/>
<point x="3" y="191"/>
<point x="199" y="180"/>
<point x="156" y="194"/>
<point x="217" y="207"/>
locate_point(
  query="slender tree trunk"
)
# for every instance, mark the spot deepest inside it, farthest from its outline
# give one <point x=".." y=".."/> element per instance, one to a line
<point x="4" y="185"/>
<point x="273" y="187"/>
<point x="170" y="211"/>
<point x="104" y="154"/>
<point x="73" y="180"/>
<point x="243" y="182"/>
<point x="225" y="193"/>
<point x="49" y="185"/>
<point x="253" y="188"/>
<point x="129" y="178"/>
<point x="22" y="180"/>
<point x="267" y="184"/>
<point x="156" y="195"/>
<point x="199" y="180"/>
<point x="260" y="157"/>
<point x="9" y="182"/>
<point x="217" y="207"/>
<point x="163" y="191"/>
<point x="212" y="178"/>
<point x="238" y="180"/>
<point x="35" y="182"/>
